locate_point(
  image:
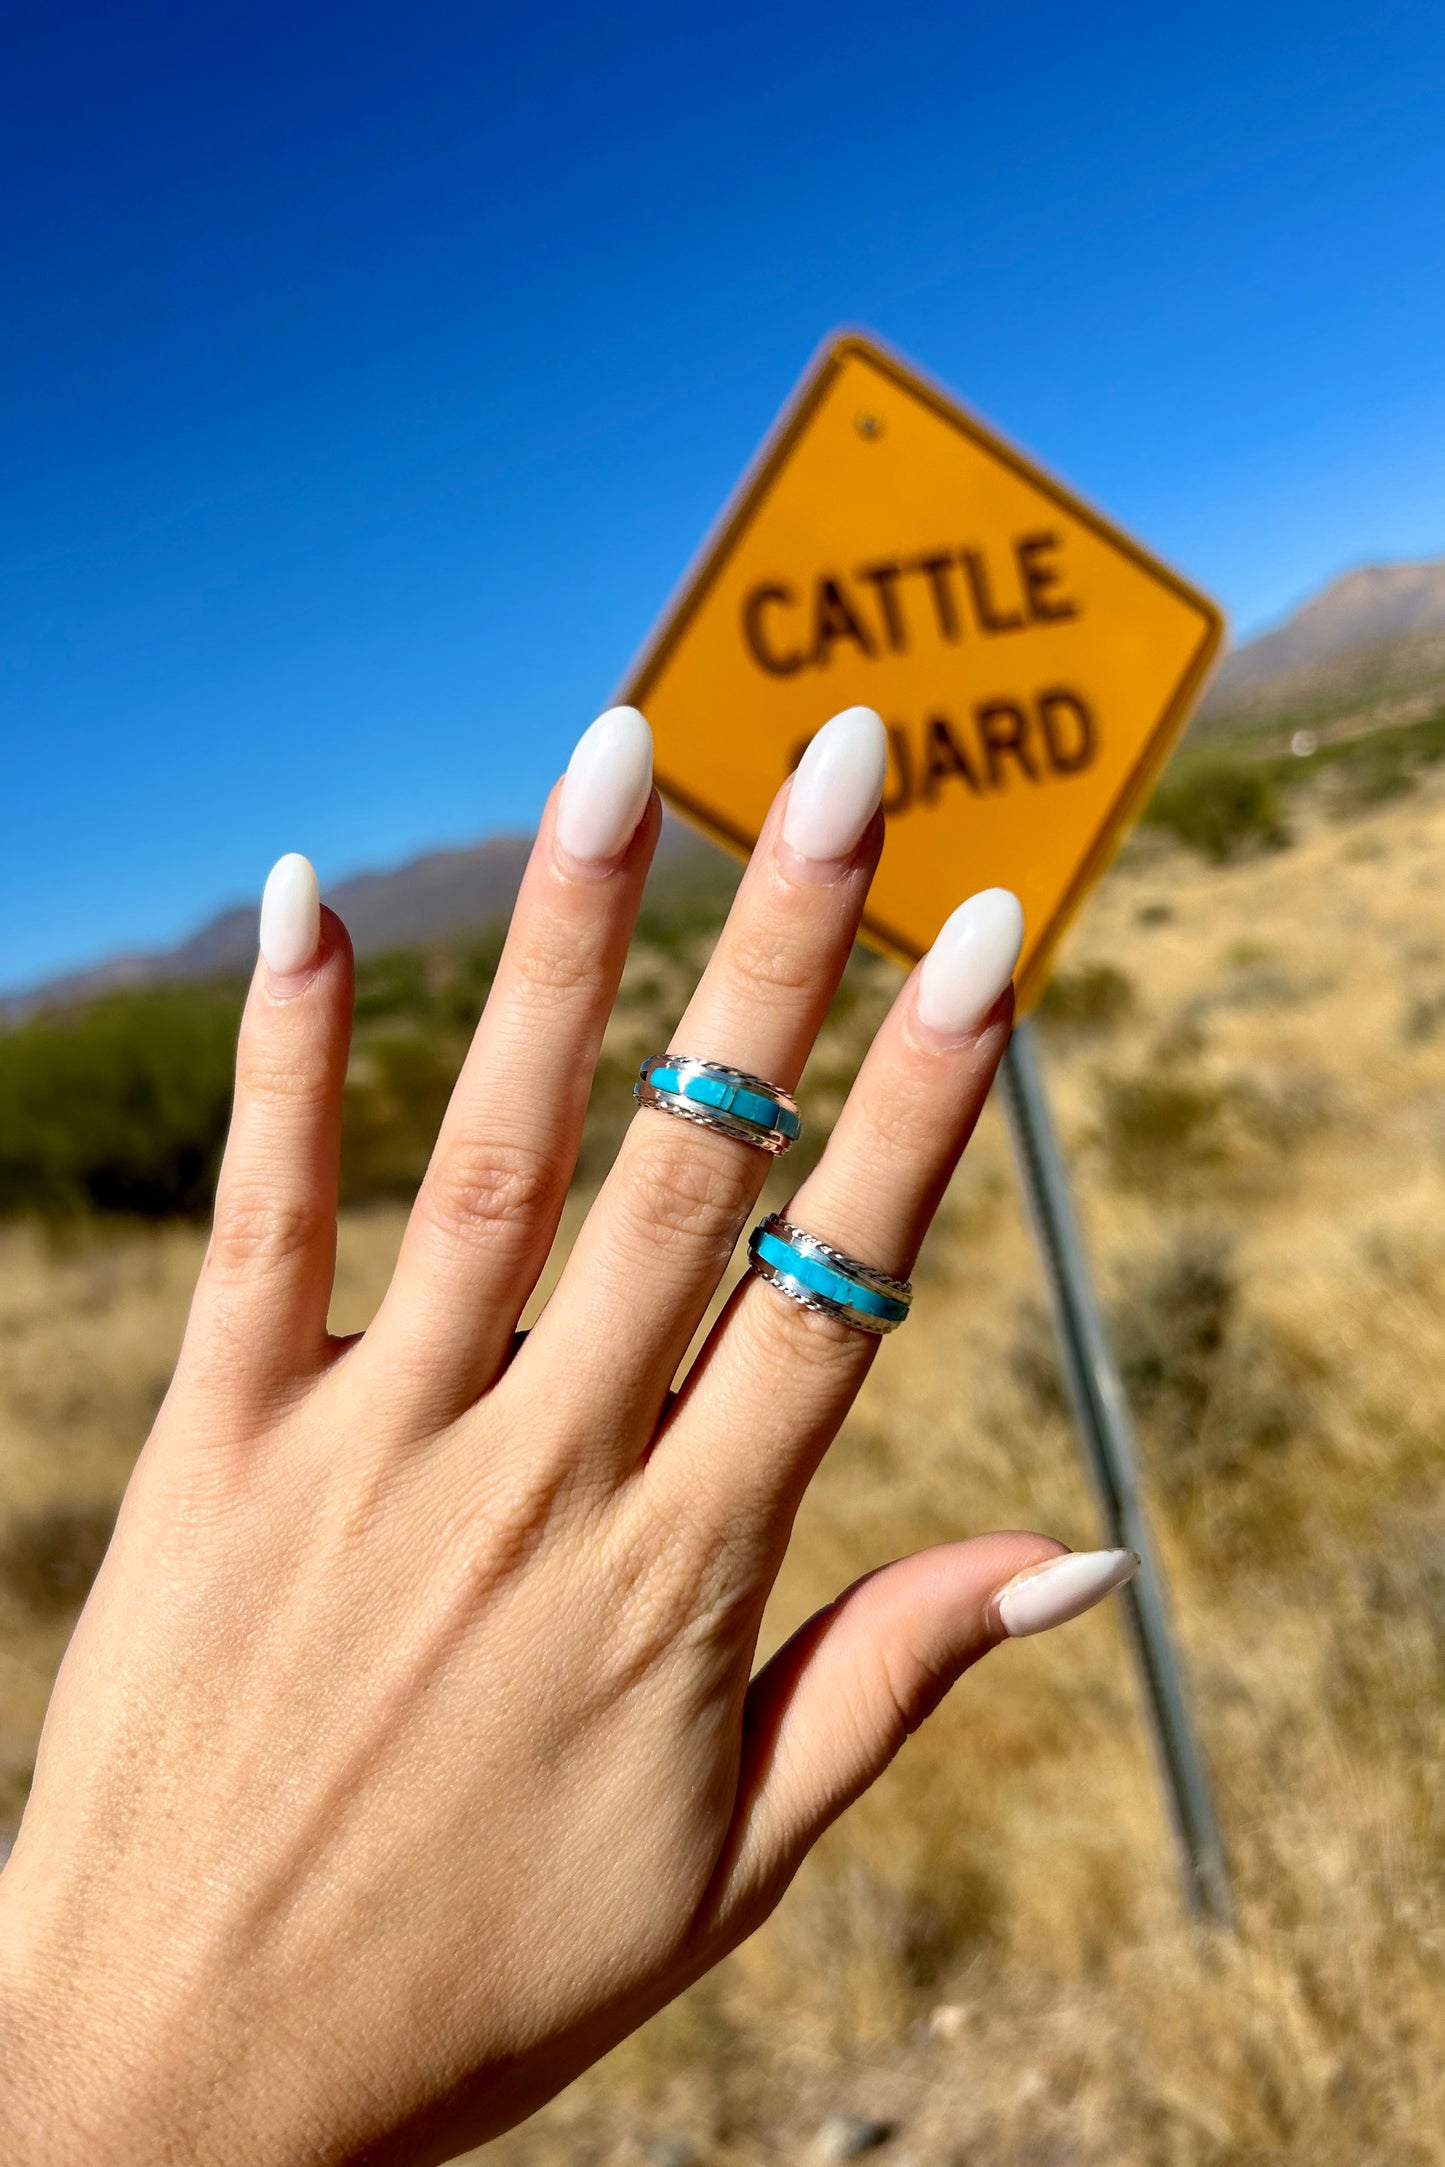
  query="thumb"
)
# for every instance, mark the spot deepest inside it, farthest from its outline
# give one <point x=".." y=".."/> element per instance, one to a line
<point x="828" y="1713"/>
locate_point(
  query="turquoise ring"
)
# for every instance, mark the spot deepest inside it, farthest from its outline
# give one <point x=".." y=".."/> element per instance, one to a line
<point x="820" y="1277"/>
<point x="726" y="1099"/>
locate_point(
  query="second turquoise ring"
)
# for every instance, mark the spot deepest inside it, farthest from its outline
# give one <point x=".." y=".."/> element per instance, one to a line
<point x="818" y="1276"/>
<point x="726" y="1099"/>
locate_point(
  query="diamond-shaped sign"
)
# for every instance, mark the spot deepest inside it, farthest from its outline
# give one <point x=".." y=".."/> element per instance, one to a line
<point x="1033" y="665"/>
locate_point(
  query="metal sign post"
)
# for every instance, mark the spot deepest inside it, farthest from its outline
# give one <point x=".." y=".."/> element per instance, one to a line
<point x="1101" y="1414"/>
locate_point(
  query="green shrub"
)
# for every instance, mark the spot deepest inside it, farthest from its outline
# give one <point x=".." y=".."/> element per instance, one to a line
<point x="1087" y="1001"/>
<point x="49" y="1558"/>
<point x="1155" y="1128"/>
<point x="1221" y="808"/>
<point x="1205" y="1380"/>
<point x="1424" y="1019"/>
<point x="1384" y="764"/>
<point x="683" y="918"/>
<point x="396" y="1095"/>
<point x="395" y="984"/>
<point x="1206" y="1383"/>
<point x="120" y="1106"/>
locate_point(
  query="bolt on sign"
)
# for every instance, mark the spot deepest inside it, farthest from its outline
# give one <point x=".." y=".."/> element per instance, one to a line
<point x="1033" y="665"/>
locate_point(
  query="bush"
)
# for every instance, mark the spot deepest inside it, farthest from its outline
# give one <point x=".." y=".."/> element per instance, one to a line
<point x="1383" y="764"/>
<point x="1155" y="1128"/>
<point x="1221" y="808"/>
<point x="121" y="1106"/>
<point x="49" y="1558"/>
<point x="391" y="985"/>
<point x="396" y="1095"/>
<point x="682" y="918"/>
<point x="1087" y="1001"/>
<point x="1205" y="1381"/>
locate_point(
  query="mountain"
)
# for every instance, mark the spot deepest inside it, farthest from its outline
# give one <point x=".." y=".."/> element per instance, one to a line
<point x="1372" y="640"/>
<point x="1373" y="604"/>
<point x="432" y="898"/>
<point x="1369" y="647"/>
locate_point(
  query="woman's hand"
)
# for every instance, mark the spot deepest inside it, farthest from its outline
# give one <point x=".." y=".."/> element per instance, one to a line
<point x="407" y="1753"/>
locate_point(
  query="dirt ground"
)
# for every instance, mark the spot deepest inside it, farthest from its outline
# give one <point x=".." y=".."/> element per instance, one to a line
<point x="988" y="1958"/>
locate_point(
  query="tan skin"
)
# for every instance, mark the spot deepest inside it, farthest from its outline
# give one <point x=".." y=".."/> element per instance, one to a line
<point x="408" y="1752"/>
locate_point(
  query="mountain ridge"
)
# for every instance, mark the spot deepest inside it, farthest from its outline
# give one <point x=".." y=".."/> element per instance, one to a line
<point x="1372" y="638"/>
<point x="1368" y="605"/>
<point x="1373" y="634"/>
<point x="440" y="895"/>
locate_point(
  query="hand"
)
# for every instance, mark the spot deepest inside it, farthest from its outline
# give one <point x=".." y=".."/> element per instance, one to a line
<point x="406" y="1754"/>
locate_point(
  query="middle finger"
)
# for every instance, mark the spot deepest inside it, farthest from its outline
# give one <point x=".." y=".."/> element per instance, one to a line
<point x="658" y="1239"/>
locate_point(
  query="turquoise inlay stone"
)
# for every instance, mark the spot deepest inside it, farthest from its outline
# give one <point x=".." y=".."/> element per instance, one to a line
<point x="821" y="1278"/>
<point x="728" y="1098"/>
<point x="754" y="1106"/>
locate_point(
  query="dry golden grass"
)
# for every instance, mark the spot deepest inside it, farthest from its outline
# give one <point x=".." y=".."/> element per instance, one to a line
<point x="990" y="1951"/>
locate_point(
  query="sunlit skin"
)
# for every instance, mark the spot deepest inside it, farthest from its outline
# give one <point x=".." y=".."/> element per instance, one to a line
<point x="409" y="1751"/>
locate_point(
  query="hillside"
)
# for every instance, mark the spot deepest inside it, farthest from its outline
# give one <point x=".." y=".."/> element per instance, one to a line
<point x="1365" y="653"/>
<point x="443" y="896"/>
<point x="1369" y="645"/>
<point x="986" y="1958"/>
<point x="1367" y="607"/>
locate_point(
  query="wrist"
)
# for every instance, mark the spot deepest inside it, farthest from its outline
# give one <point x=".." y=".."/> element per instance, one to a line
<point x="39" y="2124"/>
<point x="82" y="2087"/>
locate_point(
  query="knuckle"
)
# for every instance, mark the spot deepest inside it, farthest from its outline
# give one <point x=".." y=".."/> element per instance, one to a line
<point x="768" y="956"/>
<point x="885" y="1128"/>
<point x="909" y="1686"/>
<point x="692" y="1589"/>
<point x="810" y="1338"/>
<point x="270" y="1077"/>
<point x="552" y="964"/>
<point x="478" y="1186"/>
<point x="870" y="1713"/>
<point x="689" y="1190"/>
<point x="721" y="1585"/>
<point x="256" y="1228"/>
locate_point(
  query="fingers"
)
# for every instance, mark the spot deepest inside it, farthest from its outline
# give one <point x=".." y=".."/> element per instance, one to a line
<point x="265" y="1286"/>
<point x="659" y="1237"/>
<point x="489" y="1205"/>
<point x="829" y="1712"/>
<point x="775" y="1380"/>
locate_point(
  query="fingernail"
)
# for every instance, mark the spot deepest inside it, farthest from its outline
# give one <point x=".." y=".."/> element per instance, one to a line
<point x="838" y="786"/>
<point x="606" y="787"/>
<point x="971" y="962"/>
<point x="1065" y="1588"/>
<point x="290" y="915"/>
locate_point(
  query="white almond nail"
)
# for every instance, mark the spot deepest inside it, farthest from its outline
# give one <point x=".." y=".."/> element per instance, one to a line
<point x="606" y="787"/>
<point x="290" y="915"/>
<point x="971" y="962"/>
<point x="838" y="787"/>
<point x="1065" y="1588"/>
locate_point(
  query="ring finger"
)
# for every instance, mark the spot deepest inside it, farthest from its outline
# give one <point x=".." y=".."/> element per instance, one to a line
<point x="769" y="1390"/>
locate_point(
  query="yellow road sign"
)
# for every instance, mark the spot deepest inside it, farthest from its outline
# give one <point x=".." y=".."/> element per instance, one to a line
<point x="1033" y="665"/>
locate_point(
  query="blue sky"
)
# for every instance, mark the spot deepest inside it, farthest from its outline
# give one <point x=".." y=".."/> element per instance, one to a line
<point x="370" y="373"/>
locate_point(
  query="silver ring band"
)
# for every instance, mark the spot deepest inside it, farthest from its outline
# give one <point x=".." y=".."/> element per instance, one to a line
<point x="729" y="1100"/>
<point x="817" y="1276"/>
